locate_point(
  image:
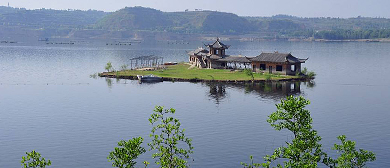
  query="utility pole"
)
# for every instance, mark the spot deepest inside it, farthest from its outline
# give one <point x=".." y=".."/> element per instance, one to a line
<point x="8" y="4"/>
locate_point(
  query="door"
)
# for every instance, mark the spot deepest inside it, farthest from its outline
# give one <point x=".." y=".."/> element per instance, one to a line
<point x="270" y="69"/>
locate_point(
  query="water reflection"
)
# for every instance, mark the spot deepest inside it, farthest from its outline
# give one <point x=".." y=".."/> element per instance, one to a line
<point x="310" y="84"/>
<point x="109" y="82"/>
<point x="266" y="90"/>
<point x="274" y="90"/>
<point x="217" y="91"/>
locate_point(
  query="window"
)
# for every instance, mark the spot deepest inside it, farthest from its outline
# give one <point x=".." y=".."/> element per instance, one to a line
<point x="262" y="66"/>
<point x="279" y="68"/>
<point x="293" y="68"/>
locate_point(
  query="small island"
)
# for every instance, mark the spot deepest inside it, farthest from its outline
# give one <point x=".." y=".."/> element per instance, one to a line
<point x="215" y="65"/>
<point x="183" y="72"/>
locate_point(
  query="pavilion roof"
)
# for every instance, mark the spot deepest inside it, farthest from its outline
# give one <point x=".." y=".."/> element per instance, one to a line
<point x="218" y="45"/>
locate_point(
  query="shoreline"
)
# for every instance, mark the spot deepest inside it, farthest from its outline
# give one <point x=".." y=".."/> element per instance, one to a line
<point x="173" y="79"/>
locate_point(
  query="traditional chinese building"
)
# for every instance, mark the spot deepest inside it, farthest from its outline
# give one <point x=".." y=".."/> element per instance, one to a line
<point x="283" y="63"/>
<point x="216" y="58"/>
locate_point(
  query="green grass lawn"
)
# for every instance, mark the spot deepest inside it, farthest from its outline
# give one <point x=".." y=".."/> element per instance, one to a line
<point x="181" y="71"/>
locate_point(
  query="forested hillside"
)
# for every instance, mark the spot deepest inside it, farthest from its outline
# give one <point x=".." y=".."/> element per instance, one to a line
<point x="280" y="26"/>
<point x="48" y="18"/>
<point x="139" y="19"/>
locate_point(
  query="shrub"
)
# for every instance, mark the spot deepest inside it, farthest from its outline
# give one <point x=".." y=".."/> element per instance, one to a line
<point x="305" y="149"/>
<point x="34" y="160"/>
<point x="166" y="136"/>
<point x="124" y="155"/>
<point x="108" y="66"/>
<point x="249" y="72"/>
<point x="124" y="67"/>
<point x="311" y="74"/>
<point x="268" y="77"/>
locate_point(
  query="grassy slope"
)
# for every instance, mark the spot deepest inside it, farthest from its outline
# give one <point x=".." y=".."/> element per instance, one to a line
<point x="182" y="71"/>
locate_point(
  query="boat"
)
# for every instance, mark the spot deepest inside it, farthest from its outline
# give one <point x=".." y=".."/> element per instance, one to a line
<point x="149" y="78"/>
<point x="170" y="63"/>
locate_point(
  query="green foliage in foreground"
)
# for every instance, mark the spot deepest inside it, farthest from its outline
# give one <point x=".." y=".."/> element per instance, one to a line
<point x="181" y="71"/>
<point x="124" y="156"/>
<point x="166" y="137"/>
<point x="349" y="156"/>
<point x="34" y="160"/>
<point x="305" y="149"/>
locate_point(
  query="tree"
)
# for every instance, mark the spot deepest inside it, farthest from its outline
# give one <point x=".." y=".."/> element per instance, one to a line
<point x="349" y="156"/>
<point x="124" y="67"/>
<point x="166" y="136"/>
<point x="308" y="74"/>
<point x="305" y="150"/>
<point x="124" y="155"/>
<point x="249" y="72"/>
<point x="108" y="66"/>
<point x="34" y="160"/>
<point x="251" y="164"/>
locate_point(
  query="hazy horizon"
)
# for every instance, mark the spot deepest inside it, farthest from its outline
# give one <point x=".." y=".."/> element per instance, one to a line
<point x="301" y="8"/>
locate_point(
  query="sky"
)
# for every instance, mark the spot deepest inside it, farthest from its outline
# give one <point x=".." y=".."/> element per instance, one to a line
<point x="301" y="8"/>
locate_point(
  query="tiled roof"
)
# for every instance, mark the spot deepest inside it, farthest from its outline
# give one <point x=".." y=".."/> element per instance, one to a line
<point x="218" y="45"/>
<point x="199" y="51"/>
<point x="277" y="57"/>
<point x="241" y="59"/>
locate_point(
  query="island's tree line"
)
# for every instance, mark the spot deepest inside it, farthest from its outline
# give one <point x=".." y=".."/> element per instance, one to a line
<point x="336" y="34"/>
<point x="352" y="34"/>
<point x="172" y="148"/>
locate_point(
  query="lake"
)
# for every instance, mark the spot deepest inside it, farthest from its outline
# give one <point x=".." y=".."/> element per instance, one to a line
<point x="49" y="102"/>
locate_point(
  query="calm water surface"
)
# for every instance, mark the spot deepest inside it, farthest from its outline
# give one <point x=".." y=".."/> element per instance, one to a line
<point x="49" y="103"/>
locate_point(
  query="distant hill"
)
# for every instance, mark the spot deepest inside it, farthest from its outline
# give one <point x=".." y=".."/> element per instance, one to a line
<point x="48" y="18"/>
<point x="136" y="18"/>
<point x="226" y="23"/>
<point x="206" y="22"/>
<point x="5" y="10"/>
<point x="139" y="18"/>
<point x="135" y="22"/>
